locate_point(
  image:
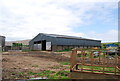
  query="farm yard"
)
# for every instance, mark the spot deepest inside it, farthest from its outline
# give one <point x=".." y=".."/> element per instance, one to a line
<point x="54" y="39"/>
<point x="24" y="65"/>
<point x="54" y="65"/>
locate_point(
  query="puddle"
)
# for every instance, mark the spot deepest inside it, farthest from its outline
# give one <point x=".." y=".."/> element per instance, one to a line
<point x="37" y="78"/>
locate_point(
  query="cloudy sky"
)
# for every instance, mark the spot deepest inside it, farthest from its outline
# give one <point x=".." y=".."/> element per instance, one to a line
<point x="24" y="19"/>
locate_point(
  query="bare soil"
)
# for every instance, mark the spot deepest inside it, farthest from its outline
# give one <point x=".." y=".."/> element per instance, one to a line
<point x="14" y="63"/>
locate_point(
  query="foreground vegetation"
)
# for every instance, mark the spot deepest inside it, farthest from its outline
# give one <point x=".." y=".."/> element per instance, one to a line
<point x="111" y="69"/>
<point x="48" y="74"/>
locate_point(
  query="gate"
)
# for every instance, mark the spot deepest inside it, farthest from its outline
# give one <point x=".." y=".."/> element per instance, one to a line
<point x="94" y="64"/>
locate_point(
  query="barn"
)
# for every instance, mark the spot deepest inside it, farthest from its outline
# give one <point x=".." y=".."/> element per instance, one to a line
<point x="55" y="42"/>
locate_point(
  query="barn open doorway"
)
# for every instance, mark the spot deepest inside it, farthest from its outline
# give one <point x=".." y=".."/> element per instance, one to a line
<point x="40" y="45"/>
<point x="44" y="45"/>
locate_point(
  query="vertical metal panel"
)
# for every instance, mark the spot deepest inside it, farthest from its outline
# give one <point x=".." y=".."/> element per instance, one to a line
<point x="2" y="43"/>
<point x="48" y="45"/>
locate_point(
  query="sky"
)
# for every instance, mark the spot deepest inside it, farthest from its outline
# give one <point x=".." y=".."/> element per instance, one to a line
<point x="24" y="19"/>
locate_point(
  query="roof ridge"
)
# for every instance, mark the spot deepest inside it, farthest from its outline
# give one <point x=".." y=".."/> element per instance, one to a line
<point x="66" y="36"/>
<point x="59" y="35"/>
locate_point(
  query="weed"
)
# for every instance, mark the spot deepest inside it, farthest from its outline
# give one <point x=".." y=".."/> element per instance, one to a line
<point x="62" y="73"/>
<point x="31" y="73"/>
<point x="21" y="73"/>
<point x="64" y="50"/>
<point x="65" y="63"/>
<point x="52" y="74"/>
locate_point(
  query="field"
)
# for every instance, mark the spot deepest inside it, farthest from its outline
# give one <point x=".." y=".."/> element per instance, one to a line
<point x="24" y="65"/>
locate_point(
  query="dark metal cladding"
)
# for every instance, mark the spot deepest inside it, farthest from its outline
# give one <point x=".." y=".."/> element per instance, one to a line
<point x="2" y="43"/>
<point x="64" y="40"/>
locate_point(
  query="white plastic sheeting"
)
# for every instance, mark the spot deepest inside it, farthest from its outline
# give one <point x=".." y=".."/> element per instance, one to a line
<point x="48" y="45"/>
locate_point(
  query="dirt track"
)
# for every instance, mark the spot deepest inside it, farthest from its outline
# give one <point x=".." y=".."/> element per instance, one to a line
<point x="15" y="63"/>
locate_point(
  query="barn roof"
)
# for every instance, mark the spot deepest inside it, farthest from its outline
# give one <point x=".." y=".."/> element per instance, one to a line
<point x="65" y="36"/>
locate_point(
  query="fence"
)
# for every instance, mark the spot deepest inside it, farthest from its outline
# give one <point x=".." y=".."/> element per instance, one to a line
<point x="95" y="61"/>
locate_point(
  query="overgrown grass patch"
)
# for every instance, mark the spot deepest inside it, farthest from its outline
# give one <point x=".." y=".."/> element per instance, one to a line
<point x="64" y="50"/>
<point x="65" y="63"/>
<point x="111" y="69"/>
<point x="51" y="74"/>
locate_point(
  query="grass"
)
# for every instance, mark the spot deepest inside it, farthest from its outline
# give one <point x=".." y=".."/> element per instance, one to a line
<point x="64" y="50"/>
<point x="65" y="63"/>
<point x="98" y="68"/>
<point x="51" y="74"/>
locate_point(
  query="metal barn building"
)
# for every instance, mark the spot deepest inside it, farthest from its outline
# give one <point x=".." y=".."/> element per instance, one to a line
<point x="2" y="43"/>
<point x="55" y="42"/>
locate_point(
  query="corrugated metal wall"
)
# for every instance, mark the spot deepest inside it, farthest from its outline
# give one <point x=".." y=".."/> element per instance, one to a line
<point x="64" y="41"/>
<point x="83" y="42"/>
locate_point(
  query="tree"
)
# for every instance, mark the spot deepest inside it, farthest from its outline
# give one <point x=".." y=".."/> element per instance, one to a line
<point x="117" y="44"/>
<point x="103" y="45"/>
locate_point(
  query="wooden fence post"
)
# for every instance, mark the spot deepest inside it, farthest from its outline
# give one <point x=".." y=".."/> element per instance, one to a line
<point x="73" y="58"/>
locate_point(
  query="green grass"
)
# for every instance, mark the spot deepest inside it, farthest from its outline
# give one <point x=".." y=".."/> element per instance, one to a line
<point x="64" y="50"/>
<point x="21" y="73"/>
<point x="63" y="74"/>
<point x="98" y="68"/>
<point x="49" y="74"/>
<point x="65" y="63"/>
